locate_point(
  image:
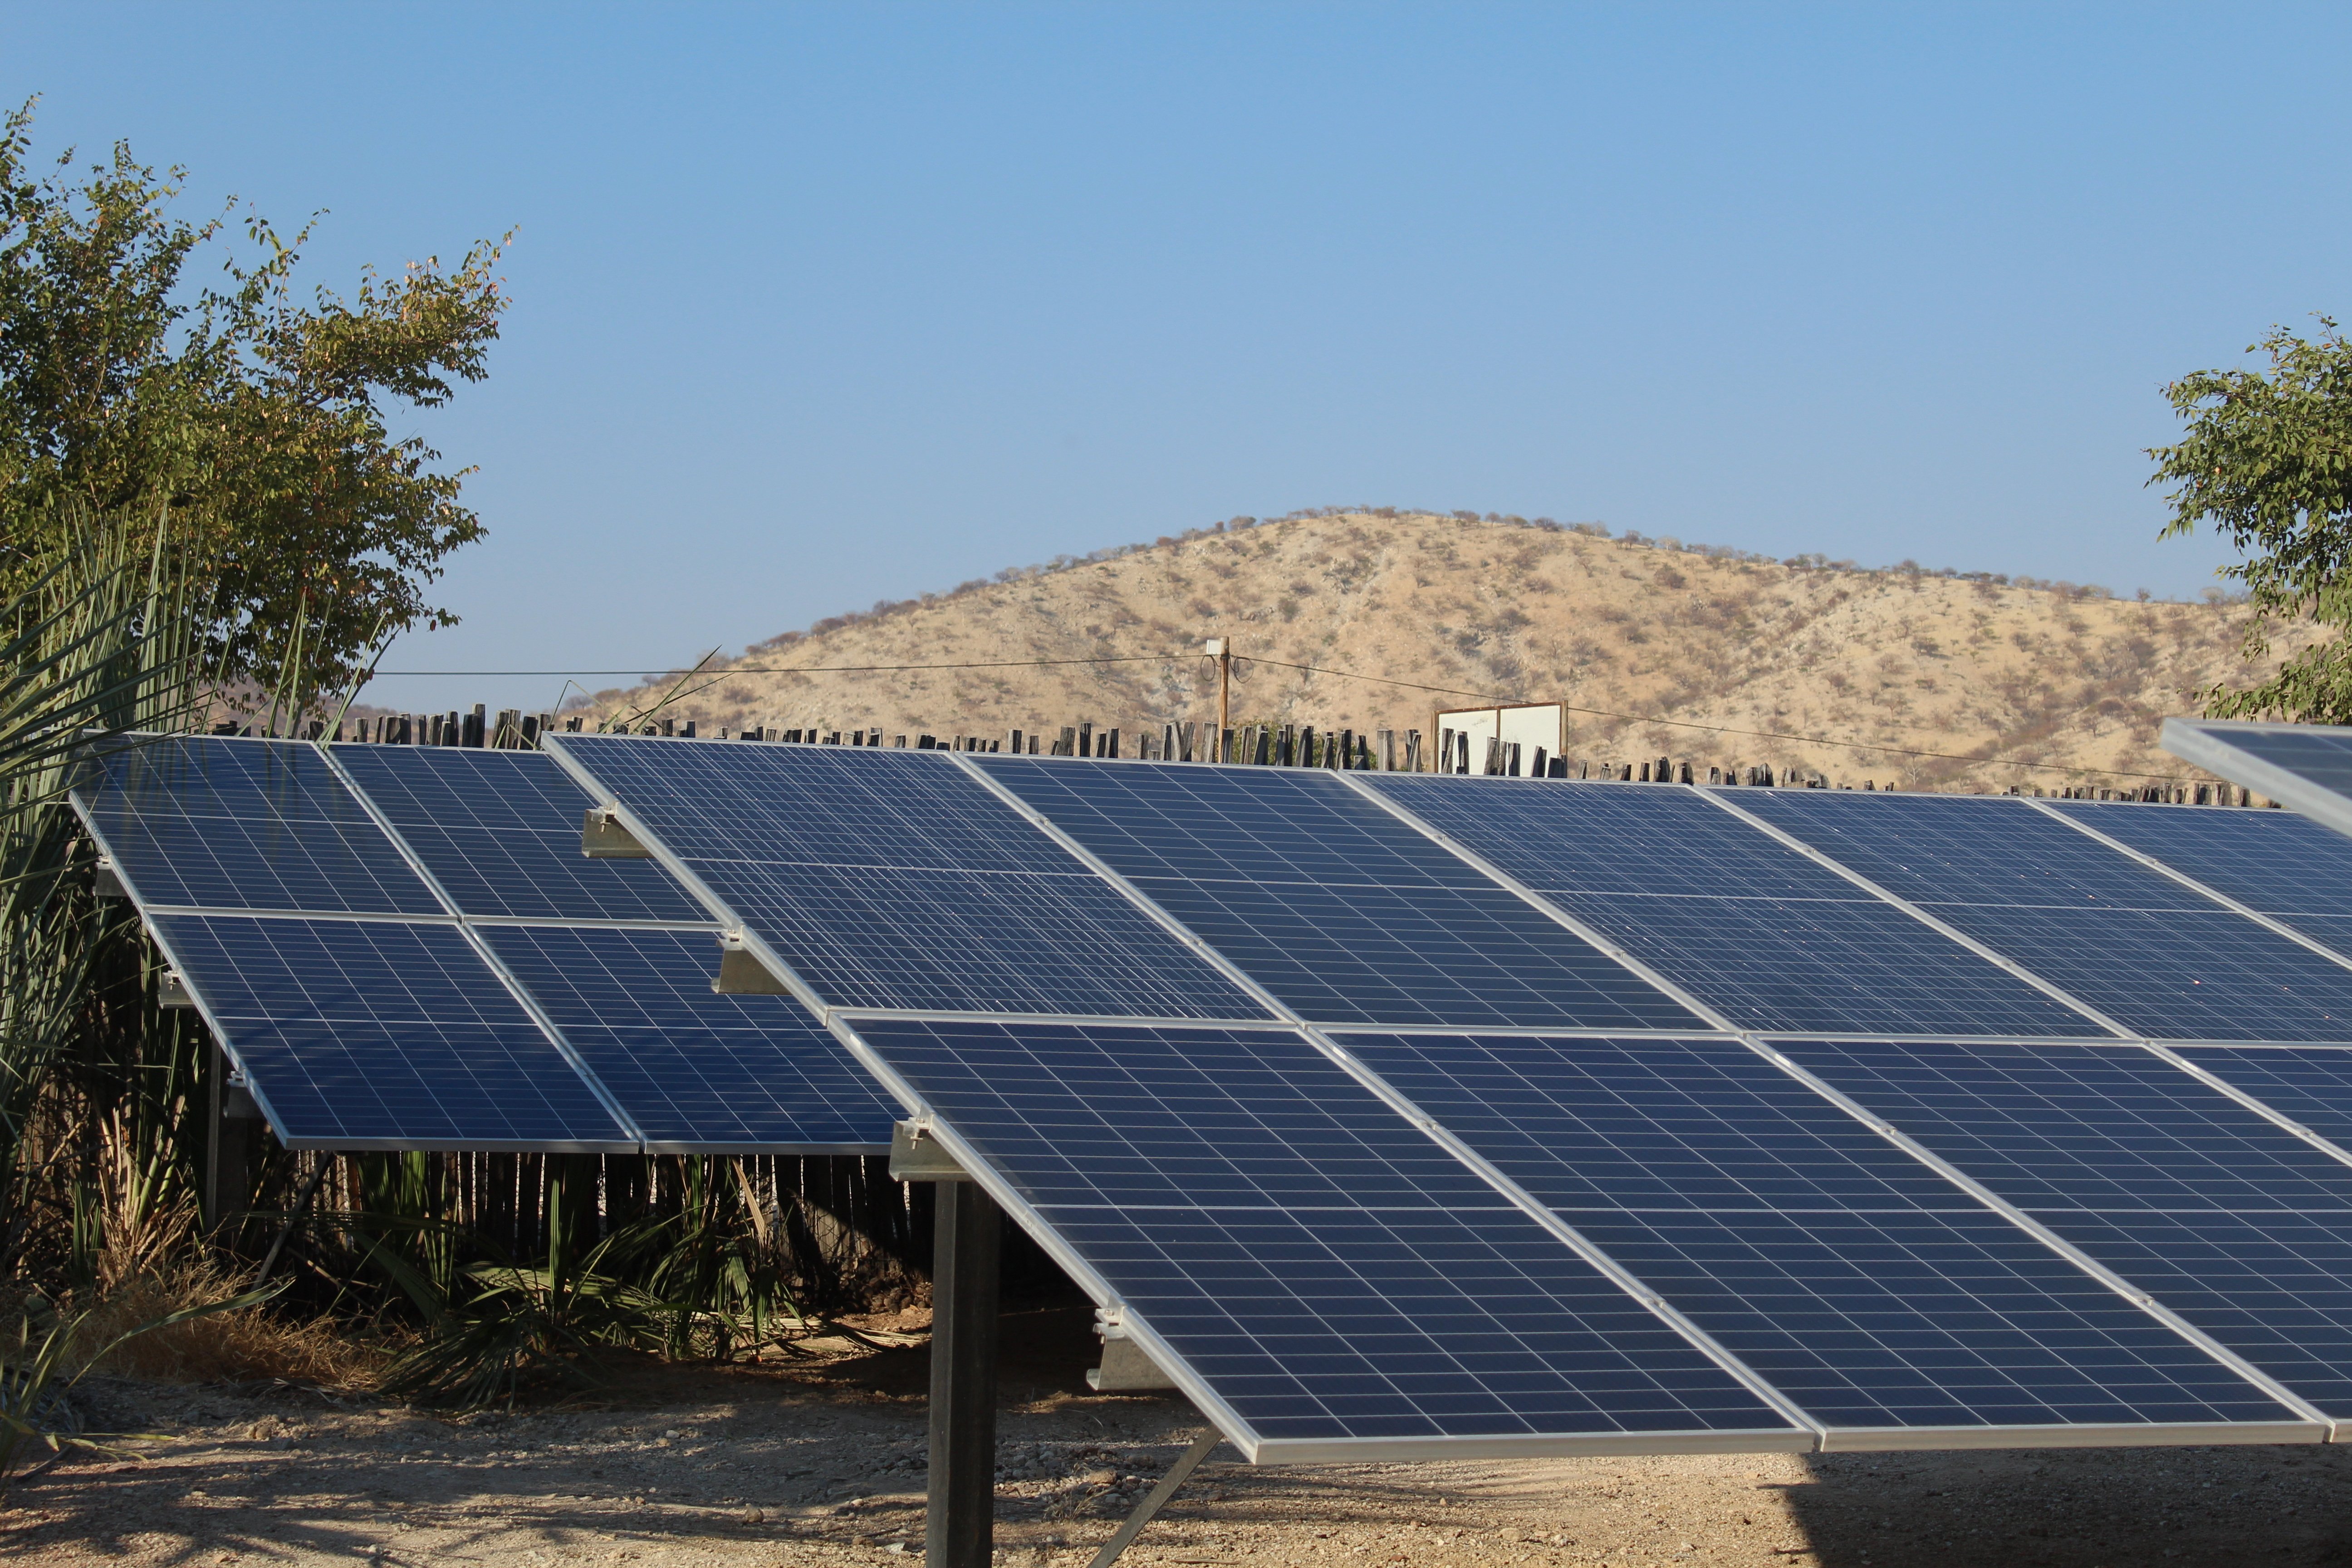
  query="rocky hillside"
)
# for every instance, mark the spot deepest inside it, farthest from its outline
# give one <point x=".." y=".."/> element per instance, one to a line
<point x="1928" y="679"/>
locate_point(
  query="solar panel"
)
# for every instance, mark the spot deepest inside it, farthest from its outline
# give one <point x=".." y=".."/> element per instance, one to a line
<point x="1332" y="1281"/>
<point x="2236" y="1224"/>
<point x="1869" y="1289"/>
<point x="697" y="1073"/>
<point x="2161" y="959"/>
<point x="382" y="1035"/>
<point x="499" y="830"/>
<point x="219" y="822"/>
<point x="1342" y="912"/>
<point x="265" y="823"/>
<point x="2279" y="862"/>
<point x="892" y="879"/>
<point x="1768" y="938"/>
<point x="2311" y="1085"/>
<point x="2308" y="766"/>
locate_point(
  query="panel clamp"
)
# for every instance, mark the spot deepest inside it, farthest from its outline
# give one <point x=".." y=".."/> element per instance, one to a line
<point x="603" y="837"/>
<point x="915" y="1155"/>
<point x="1124" y="1364"/>
<point x="740" y="973"/>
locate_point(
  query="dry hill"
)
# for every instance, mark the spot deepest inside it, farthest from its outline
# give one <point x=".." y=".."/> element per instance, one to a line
<point x="2022" y="680"/>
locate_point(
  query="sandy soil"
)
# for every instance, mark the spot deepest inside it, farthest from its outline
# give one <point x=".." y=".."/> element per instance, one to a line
<point x="823" y="1464"/>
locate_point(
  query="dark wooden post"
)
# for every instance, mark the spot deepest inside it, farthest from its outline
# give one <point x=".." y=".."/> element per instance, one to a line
<point x="959" y="1524"/>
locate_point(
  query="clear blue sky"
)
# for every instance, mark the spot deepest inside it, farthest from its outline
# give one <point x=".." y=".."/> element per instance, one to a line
<point x="816" y="305"/>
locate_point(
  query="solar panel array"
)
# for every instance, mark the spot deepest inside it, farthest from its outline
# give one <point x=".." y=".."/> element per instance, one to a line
<point x="1390" y="1115"/>
<point x="1495" y="1115"/>
<point x="403" y="947"/>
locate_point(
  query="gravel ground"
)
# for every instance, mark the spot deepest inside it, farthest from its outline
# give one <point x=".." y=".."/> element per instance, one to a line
<point x="823" y="1464"/>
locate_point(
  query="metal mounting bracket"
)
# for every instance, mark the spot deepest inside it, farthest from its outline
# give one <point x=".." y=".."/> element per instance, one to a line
<point x="172" y="991"/>
<point x="602" y="837"/>
<point x="740" y="973"/>
<point x="916" y="1156"/>
<point x="108" y="882"/>
<point x="1124" y="1364"/>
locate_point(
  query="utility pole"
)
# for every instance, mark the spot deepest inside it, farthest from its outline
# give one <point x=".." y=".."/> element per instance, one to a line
<point x="1221" y="650"/>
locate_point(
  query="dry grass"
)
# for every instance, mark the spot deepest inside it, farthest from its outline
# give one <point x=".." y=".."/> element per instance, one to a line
<point x="254" y="1345"/>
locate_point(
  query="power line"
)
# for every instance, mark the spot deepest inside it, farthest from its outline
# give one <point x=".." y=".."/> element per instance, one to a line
<point x="807" y="668"/>
<point x="719" y="675"/>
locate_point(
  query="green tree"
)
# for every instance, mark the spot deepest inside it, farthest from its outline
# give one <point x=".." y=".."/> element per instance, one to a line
<point x="259" y="419"/>
<point x="2267" y="459"/>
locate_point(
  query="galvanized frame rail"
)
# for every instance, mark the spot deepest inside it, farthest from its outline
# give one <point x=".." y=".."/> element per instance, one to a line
<point x="2205" y="743"/>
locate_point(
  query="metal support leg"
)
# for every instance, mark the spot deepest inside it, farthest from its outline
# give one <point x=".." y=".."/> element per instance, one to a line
<point x="1152" y="1505"/>
<point x="959" y="1525"/>
<point x="228" y="1154"/>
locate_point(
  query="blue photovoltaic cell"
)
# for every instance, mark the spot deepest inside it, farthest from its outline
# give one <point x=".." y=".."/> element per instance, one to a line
<point x="1858" y="1283"/>
<point x="2313" y="1084"/>
<point x="892" y="879"/>
<point x="1326" y="1268"/>
<point x="695" y="1071"/>
<point x="1344" y="912"/>
<point x="1766" y="936"/>
<point x="818" y="805"/>
<point x="225" y="823"/>
<point x="361" y="1033"/>
<point x="1986" y="851"/>
<point x="2161" y="958"/>
<point x="2279" y="862"/>
<point x="499" y="830"/>
<point x="2237" y="1225"/>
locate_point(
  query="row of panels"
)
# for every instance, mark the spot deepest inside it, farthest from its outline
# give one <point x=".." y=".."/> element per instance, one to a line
<point x="914" y="882"/>
<point x="929" y="881"/>
<point x="1346" y="1240"/>
<point x="1349" y="1239"/>
<point x="1854" y="1245"/>
<point x="403" y="947"/>
<point x="1888" y="1244"/>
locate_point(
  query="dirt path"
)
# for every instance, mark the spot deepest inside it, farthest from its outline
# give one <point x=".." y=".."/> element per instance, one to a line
<point x="824" y="1464"/>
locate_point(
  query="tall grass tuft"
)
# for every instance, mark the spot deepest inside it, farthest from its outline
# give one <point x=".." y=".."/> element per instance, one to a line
<point x="97" y="632"/>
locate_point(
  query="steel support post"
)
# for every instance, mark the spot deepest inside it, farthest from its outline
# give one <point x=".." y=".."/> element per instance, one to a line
<point x="228" y="1154"/>
<point x="959" y="1525"/>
